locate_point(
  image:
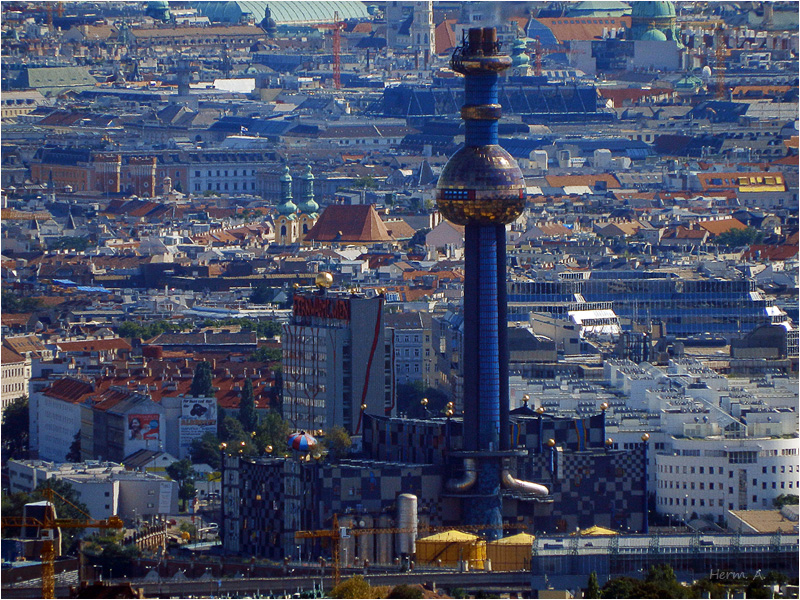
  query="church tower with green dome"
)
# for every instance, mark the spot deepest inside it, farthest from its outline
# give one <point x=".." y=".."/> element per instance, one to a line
<point x="308" y="209"/>
<point x="286" y="221"/>
<point x="520" y="61"/>
<point x="652" y="20"/>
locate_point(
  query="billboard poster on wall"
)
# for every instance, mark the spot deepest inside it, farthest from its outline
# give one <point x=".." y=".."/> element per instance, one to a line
<point x="198" y="416"/>
<point x="144" y="426"/>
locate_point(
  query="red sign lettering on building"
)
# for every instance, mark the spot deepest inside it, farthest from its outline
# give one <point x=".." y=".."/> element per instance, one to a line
<point x="326" y="308"/>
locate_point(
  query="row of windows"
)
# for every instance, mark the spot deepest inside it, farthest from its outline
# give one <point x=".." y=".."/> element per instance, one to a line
<point x="682" y="485"/>
<point x="225" y="171"/>
<point x="14" y="372"/>
<point x="210" y="187"/>
<point x="702" y="502"/>
<point x="13" y="387"/>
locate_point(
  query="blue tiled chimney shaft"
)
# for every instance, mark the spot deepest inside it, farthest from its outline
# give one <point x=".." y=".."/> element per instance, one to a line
<point x="482" y="188"/>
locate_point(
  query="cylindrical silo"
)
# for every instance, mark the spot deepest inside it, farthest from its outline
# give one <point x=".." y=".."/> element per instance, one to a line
<point x="407" y="520"/>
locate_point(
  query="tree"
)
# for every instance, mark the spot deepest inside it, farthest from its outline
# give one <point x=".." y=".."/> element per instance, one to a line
<point x="202" y="382"/>
<point x="355" y="587"/>
<point x="205" y="450"/>
<point x="74" y="454"/>
<point x="114" y="559"/>
<point x="247" y="407"/>
<point x="16" y="423"/>
<point x="13" y="303"/>
<point x="592" y="588"/>
<point x="181" y="471"/>
<point x="737" y="238"/>
<point x="338" y="442"/>
<point x="786" y="500"/>
<point x="406" y="591"/>
<point x="262" y="295"/>
<point x="267" y="355"/>
<point x="231" y="430"/>
<point x="272" y="431"/>
<point x="365" y="182"/>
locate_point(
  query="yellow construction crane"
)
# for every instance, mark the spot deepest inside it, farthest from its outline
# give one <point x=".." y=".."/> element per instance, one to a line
<point x="47" y="526"/>
<point x="335" y="535"/>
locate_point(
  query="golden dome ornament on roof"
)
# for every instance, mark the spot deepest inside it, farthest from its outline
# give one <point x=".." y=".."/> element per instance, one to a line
<point x="323" y="280"/>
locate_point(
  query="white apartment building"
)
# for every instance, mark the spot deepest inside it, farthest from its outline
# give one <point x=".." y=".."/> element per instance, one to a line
<point x="16" y="373"/>
<point x="708" y="477"/>
<point x="106" y="488"/>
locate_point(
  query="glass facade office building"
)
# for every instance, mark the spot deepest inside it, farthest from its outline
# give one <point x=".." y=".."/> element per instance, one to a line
<point x="688" y="307"/>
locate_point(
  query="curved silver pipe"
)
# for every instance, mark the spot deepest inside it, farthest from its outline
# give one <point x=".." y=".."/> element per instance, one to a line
<point x="467" y="481"/>
<point x="528" y="487"/>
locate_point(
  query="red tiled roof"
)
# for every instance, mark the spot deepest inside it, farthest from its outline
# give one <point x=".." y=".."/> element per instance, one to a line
<point x="94" y="345"/>
<point x="584" y="28"/>
<point x="721" y="226"/>
<point x="69" y="390"/>
<point x="349" y="223"/>
<point x="8" y="356"/>
<point x="783" y="252"/>
<point x="444" y="36"/>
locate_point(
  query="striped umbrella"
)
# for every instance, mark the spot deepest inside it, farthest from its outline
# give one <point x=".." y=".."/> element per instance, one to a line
<point x="301" y="441"/>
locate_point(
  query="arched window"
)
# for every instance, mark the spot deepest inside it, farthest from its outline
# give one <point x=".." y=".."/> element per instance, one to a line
<point x="283" y="230"/>
<point x="305" y="227"/>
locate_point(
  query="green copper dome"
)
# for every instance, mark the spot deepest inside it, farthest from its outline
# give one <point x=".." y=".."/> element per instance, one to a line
<point x="653" y="10"/>
<point x="518" y="56"/>
<point x="308" y="206"/>
<point x="654" y="35"/>
<point x="286" y="208"/>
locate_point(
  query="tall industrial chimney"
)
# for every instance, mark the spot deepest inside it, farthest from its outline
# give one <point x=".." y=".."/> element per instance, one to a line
<point x="482" y="188"/>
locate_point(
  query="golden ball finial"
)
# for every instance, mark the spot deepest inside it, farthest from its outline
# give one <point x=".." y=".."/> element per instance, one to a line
<point x="604" y="406"/>
<point x="645" y="437"/>
<point x="323" y="280"/>
<point x="609" y="442"/>
<point x="551" y="442"/>
<point x="269" y="449"/>
<point x="363" y="407"/>
<point x="424" y="402"/>
<point x="540" y="410"/>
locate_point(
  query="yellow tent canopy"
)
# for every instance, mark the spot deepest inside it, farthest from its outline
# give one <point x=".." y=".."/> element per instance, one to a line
<point x="511" y="553"/>
<point x="452" y="548"/>
<point x="450" y="536"/>
<point x="596" y="530"/>
<point x="520" y="539"/>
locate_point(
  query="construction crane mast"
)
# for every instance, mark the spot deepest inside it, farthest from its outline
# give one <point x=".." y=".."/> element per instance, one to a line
<point x="337" y="27"/>
<point x="47" y="526"/>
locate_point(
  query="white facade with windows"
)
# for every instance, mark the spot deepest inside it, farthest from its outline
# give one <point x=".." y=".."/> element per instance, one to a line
<point x="708" y="477"/>
<point x="15" y="376"/>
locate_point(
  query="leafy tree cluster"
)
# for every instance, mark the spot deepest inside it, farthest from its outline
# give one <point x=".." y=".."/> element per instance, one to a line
<point x="786" y="500"/>
<point x="337" y="442"/>
<point x="202" y="382"/>
<point x="365" y="182"/>
<point x="738" y="238"/>
<point x="410" y="395"/>
<point x="16" y="419"/>
<point x="13" y="504"/>
<point x="263" y="328"/>
<point x="355" y="587"/>
<point x="267" y="355"/>
<point x="71" y="243"/>
<point x="659" y="583"/>
<point x="14" y="304"/>
<point x="272" y="430"/>
<point x="182" y="472"/>
<point x="111" y="557"/>
<point x="146" y="331"/>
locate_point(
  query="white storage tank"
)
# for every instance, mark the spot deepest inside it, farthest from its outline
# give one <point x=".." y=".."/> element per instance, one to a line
<point x="407" y="520"/>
